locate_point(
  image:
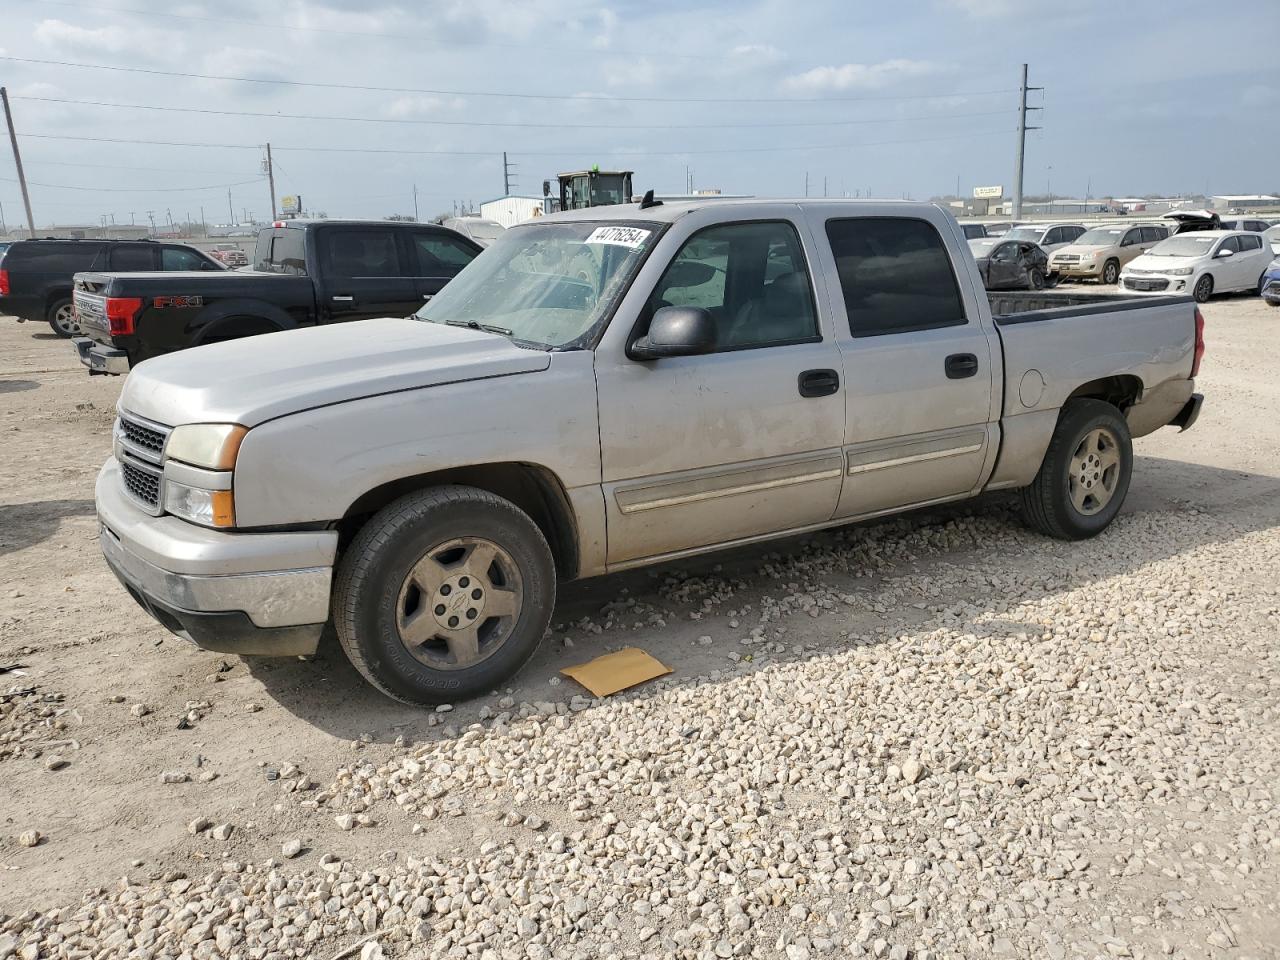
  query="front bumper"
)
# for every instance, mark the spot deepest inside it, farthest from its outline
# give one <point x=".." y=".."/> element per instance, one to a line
<point x="99" y="358"/>
<point x="242" y="593"/>
<point x="1157" y="284"/>
<point x="1087" y="271"/>
<point x="1271" y="288"/>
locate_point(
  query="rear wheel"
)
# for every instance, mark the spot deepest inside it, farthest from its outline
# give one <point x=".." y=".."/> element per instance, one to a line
<point x="62" y="317"/>
<point x="1203" y="289"/>
<point x="1085" y="475"/>
<point x="444" y="594"/>
<point x="1111" y="271"/>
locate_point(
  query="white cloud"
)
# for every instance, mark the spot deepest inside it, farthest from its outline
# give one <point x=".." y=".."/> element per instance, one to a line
<point x="757" y="52"/>
<point x="860" y="76"/>
<point x="408" y="107"/>
<point x="64" y="36"/>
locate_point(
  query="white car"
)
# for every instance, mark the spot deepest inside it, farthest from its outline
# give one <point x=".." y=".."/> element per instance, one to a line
<point x="1047" y="236"/>
<point x="1201" y="263"/>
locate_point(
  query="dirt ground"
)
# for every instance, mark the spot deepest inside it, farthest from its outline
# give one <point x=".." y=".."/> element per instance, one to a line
<point x="88" y="656"/>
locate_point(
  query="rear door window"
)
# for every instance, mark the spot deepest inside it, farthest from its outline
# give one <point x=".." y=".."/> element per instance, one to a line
<point x="132" y="256"/>
<point x="895" y="274"/>
<point x="1249" y="244"/>
<point x="362" y="253"/>
<point x="282" y="251"/>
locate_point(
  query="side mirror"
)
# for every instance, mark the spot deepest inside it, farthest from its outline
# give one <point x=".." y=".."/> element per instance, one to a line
<point x="676" y="332"/>
<point x="1225" y="253"/>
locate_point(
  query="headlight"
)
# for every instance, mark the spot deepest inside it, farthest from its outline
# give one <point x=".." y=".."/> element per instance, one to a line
<point x="1179" y="272"/>
<point x="1086" y="257"/>
<point x="209" y="508"/>
<point x="210" y="445"/>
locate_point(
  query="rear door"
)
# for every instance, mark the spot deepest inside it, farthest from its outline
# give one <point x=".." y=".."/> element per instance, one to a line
<point x="184" y="258"/>
<point x="920" y="370"/>
<point x="364" y="273"/>
<point x="436" y="257"/>
<point x="1253" y="258"/>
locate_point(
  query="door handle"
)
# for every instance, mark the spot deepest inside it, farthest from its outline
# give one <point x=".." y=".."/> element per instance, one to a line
<point x="427" y="296"/>
<point x="818" y="383"/>
<point x="961" y="365"/>
<point x="342" y="299"/>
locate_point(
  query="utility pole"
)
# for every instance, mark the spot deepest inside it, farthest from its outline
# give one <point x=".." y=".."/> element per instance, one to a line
<point x="204" y="225"/>
<point x="1022" y="142"/>
<point x="506" y="175"/>
<point x="824" y="185"/>
<point x="151" y="215"/>
<point x="271" y="181"/>
<point x="4" y="231"/>
<point x="806" y="183"/>
<point x="17" y="162"/>
<point x="415" y="202"/>
<point x="231" y="213"/>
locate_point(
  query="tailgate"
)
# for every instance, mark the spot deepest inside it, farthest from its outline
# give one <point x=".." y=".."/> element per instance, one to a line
<point x="91" y="313"/>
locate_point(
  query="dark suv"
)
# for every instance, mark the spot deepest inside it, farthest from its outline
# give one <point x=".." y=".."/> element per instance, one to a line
<point x="35" y="275"/>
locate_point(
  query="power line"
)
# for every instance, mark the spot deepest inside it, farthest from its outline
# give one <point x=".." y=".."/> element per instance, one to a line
<point x="65" y="186"/>
<point x="41" y="161"/>
<point x="507" y="95"/>
<point x="570" y="152"/>
<point x="533" y="124"/>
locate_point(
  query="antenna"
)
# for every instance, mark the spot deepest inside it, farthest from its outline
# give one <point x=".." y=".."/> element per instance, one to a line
<point x="648" y="201"/>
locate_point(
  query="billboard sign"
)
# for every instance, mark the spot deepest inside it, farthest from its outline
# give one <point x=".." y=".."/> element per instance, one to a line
<point x="988" y="193"/>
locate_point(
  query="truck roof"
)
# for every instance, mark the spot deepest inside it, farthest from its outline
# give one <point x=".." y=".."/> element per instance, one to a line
<point x="671" y="210"/>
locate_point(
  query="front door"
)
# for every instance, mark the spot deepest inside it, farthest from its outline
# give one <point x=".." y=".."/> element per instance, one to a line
<point x="365" y="275"/>
<point x="919" y="368"/>
<point x="1004" y="270"/>
<point x="733" y="444"/>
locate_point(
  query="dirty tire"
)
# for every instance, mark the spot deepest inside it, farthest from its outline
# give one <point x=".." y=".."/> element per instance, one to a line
<point x="1111" y="271"/>
<point x="1036" y="279"/>
<point x="1047" y="504"/>
<point x="368" y="591"/>
<point x="1203" y="289"/>
<point x="62" y="318"/>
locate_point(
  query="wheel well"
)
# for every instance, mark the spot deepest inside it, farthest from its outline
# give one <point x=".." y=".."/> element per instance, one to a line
<point x="230" y="328"/>
<point x="1120" y="391"/>
<point x="534" y="489"/>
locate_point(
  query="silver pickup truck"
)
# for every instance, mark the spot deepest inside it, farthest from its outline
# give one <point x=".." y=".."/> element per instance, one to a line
<point x="605" y="389"/>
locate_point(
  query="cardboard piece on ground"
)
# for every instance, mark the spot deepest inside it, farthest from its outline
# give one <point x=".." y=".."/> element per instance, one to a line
<point x="616" y="671"/>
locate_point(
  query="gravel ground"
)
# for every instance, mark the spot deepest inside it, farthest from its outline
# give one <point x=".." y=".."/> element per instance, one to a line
<point x="939" y="736"/>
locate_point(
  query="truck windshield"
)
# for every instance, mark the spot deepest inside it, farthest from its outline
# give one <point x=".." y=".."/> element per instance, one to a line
<point x="545" y="284"/>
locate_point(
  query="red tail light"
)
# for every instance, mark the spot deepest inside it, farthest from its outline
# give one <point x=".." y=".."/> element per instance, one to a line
<point x="121" y="312"/>
<point x="4" y="283"/>
<point x="1195" y="364"/>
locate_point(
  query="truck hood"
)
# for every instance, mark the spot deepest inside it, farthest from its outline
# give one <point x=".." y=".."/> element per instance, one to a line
<point x="1148" y="261"/>
<point x="260" y="378"/>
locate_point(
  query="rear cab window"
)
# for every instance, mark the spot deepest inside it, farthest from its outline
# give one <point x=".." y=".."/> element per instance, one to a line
<point x="895" y="274"/>
<point x="282" y="250"/>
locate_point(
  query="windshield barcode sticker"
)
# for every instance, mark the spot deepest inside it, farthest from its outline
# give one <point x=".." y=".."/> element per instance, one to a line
<point x="621" y="236"/>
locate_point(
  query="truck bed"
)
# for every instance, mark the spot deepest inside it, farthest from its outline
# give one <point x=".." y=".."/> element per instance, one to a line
<point x="1022" y="306"/>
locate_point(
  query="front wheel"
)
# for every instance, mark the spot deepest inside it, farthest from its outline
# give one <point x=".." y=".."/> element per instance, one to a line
<point x="1111" y="271"/>
<point x="1036" y="279"/>
<point x="62" y="318"/>
<point x="444" y="594"/>
<point x="1085" y="475"/>
<point x="1203" y="289"/>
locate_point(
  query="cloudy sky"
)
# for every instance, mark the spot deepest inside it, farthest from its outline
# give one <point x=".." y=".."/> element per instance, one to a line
<point x="899" y="99"/>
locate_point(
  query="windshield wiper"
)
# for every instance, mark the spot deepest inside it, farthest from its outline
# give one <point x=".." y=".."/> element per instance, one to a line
<point x="476" y="325"/>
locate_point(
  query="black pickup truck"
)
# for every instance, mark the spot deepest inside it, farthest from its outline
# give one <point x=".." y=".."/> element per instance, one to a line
<point x="305" y="272"/>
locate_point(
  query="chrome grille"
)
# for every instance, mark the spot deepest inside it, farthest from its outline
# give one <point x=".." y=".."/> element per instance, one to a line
<point x="139" y="448"/>
<point x="140" y="436"/>
<point x="142" y="484"/>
